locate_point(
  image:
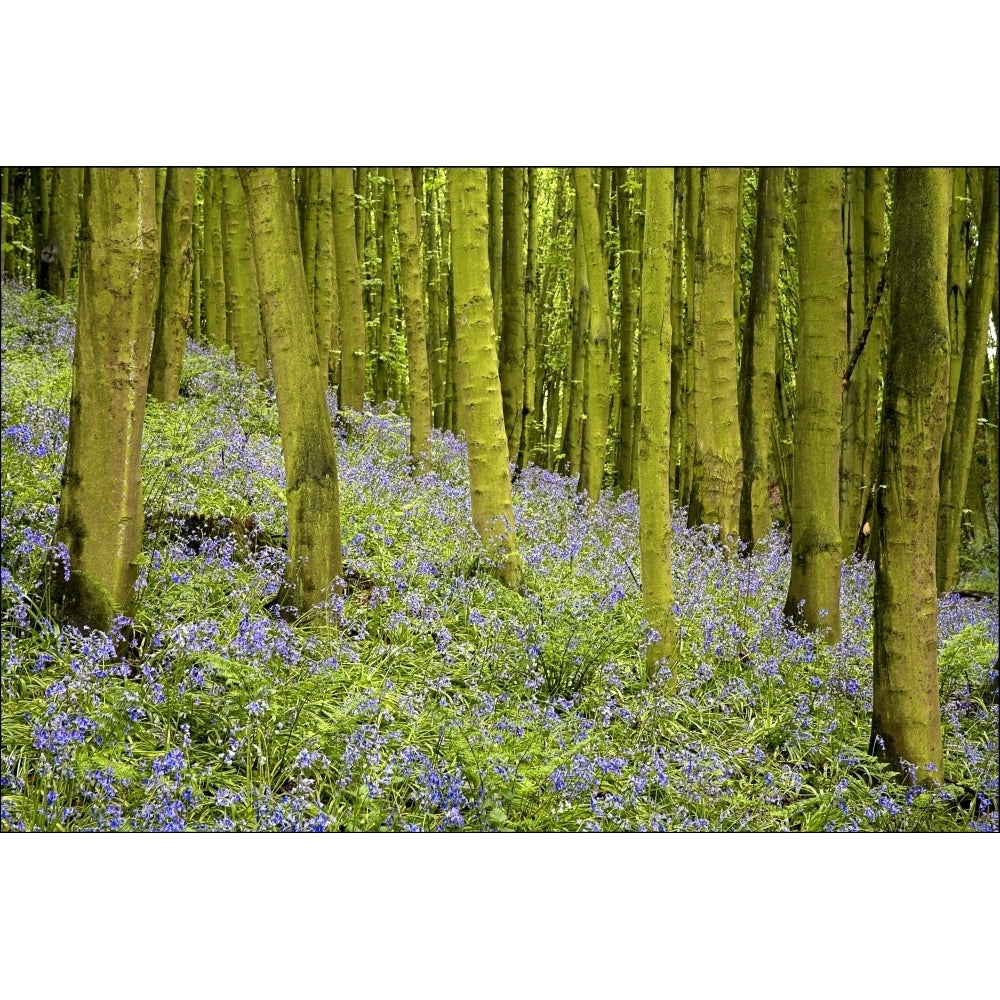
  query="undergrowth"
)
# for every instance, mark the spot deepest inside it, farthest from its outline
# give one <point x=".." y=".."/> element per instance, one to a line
<point x="424" y="695"/>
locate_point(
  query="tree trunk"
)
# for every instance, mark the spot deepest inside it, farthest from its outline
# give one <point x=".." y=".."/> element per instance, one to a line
<point x="326" y="317"/>
<point x="352" y="311"/>
<point x="479" y="377"/>
<point x="655" y="463"/>
<point x="530" y="413"/>
<point x="173" y="316"/>
<point x="906" y="715"/>
<point x="243" y="322"/>
<point x="718" y="460"/>
<point x="626" y="336"/>
<point x="495" y="196"/>
<point x="572" y="438"/>
<point x="60" y="238"/>
<point x="213" y="267"/>
<point x="757" y="376"/>
<point x="692" y="188"/>
<point x="412" y="293"/>
<point x="814" y="588"/>
<point x="597" y="391"/>
<point x="387" y="309"/>
<point x="314" y="558"/>
<point x="957" y="454"/>
<point x="512" y="309"/>
<point x="100" y="512"/>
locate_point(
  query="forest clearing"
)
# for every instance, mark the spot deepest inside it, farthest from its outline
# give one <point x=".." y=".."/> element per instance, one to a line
<point x="524" y="555"/>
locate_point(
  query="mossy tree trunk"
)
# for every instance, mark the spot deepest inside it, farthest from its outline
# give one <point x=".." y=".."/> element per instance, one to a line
<point x="243" y="321"/>
<point x="692" y="200"/>
<point x="100" y="513"/>
<point x="957" y="452"/>
<point x="718" y="458"/>
<point x="906" y="714"/>
<point x="530" y="412"/>
<point x="756" y="384"/>
<point x="597" y="390"/>
<point x="325" y="306"/>
<point x="479" y="376"/>
<point x="352" y="310"/>
<point x="814" y="587"/>
<point x="655" y="462"/>
<point x="512" y="306"/>
<point x="213" y="267"/>
<point x="571" y="447"/>
<point x="60" y="238"/>
<point x="173" y="309"/>
<point x="412" y="294"/>
<point x="628" y="258"/>
<point x="387" y="310"/>
<point x="314" y="557"/>
<point x="857" y="425"/>
<point x="495" y="205"/>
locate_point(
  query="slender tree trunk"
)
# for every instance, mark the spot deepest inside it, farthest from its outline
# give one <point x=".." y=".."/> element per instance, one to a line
<point x="352" y="311"/>
<point x="906" y="715"/>
<point x="655" y="462"/>
<point x="692" y="188"/>
<point x="314" y="559"/>
<point x="437" y="345"/>
<point x="597" y="393"/>
<point x="957" y="456"/>
<point x="479" y="377"/>
<point x="60" y="239"/>
<point x="387" y="310"/>
<point x="243" y="319"/>
<point x="678" y="387"/>
<point x="855" y="443"/>
<point x="173" y="316"/>
<point x="530" y="413"/>
<point x="512" y="311"/>
<point x="814" y="588"/>
<point x="626" y="337"/>
<point x="572" y="439"/>
<point x="213" y="269"/>
<point x="100" y="513"/>
<point x="413" y="316"/>
<point x="718" y="461"/>
<point x="326" y="316"/>
<point x="495" y="175"/>
<point x="959" y="238"/>
<point x="757" y="376"/>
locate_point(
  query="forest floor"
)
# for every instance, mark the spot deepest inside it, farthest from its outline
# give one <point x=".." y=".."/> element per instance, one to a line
<point x="426" y="696"/>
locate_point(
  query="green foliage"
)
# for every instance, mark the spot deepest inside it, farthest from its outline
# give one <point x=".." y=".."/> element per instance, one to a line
<point x="425" y="695"/>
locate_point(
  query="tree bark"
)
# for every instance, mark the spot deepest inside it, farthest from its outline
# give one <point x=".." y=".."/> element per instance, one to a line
<point x="413" y="316"/>
<point x="352" y="311"/>
<point x="627" y="326"/>
<point x="718" y="460"/>
<point x="173" y="308"/>
<point x="60" y="238"/>
<point x="757" y="376"/>
<point x="100" y="513"/>
<point x="655" y="464"/>
<point x="814" y="587"/>
<point x="512" y="307"/>
<point x="597" y="391"/>
<point x="314" y="558"/>
<point x="479" y="377"/>
<point x="243" y="322"/>
<point x="906" y="715"/>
